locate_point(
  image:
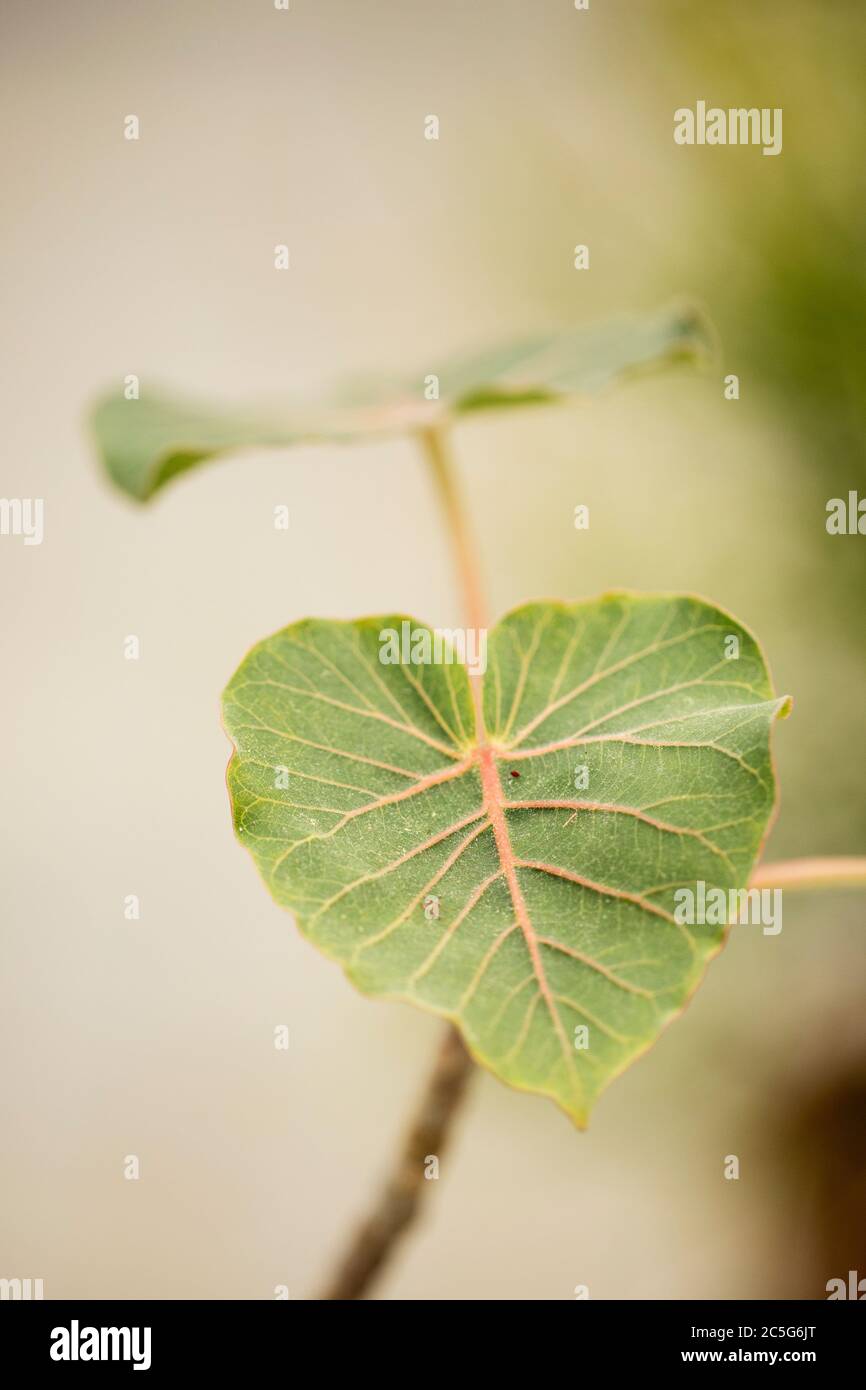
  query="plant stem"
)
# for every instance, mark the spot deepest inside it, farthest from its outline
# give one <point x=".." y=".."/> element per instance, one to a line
<point x="838" y="872"/>
<point x="434" y="443"/>
<point x="429" y="1129"/>
<point x="397" y="1205"/>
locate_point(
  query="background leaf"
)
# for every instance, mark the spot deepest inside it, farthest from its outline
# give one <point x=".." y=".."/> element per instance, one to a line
<point x="365" y="791"/>
<point x="145" y="443"/>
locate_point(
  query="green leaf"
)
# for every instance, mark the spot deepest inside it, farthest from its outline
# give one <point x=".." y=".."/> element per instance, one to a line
<point x="145" y="443"/>
<point x="387" y="816"/>
<point x="578" y="362"/>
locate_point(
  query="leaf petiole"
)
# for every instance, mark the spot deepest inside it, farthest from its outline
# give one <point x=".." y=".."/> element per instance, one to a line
<point x="839" y="871"/>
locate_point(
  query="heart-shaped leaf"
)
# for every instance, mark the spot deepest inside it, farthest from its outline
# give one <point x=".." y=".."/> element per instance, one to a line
<point x="146" y="442"/>
<point x="504" y="849"/>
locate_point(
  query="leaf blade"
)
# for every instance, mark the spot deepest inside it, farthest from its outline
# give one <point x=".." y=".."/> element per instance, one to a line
<point x="146" y="443"/>
<point x="554" y="905"/>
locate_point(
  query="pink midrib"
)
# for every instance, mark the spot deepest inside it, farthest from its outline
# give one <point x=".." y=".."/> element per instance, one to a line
<point x="496" y="814"/>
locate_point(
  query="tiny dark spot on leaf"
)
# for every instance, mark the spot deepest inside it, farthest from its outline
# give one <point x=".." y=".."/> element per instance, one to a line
<point x="514" y="774"/>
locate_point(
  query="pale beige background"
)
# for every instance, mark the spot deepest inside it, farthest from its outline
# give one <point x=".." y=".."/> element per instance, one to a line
<point x="155" y="1038"/>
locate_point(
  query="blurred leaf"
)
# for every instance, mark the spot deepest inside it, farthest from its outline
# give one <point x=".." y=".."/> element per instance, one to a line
<point x="145" y="443"/>
<point x="575" y="363"/>
<point x="474" y="870"/>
